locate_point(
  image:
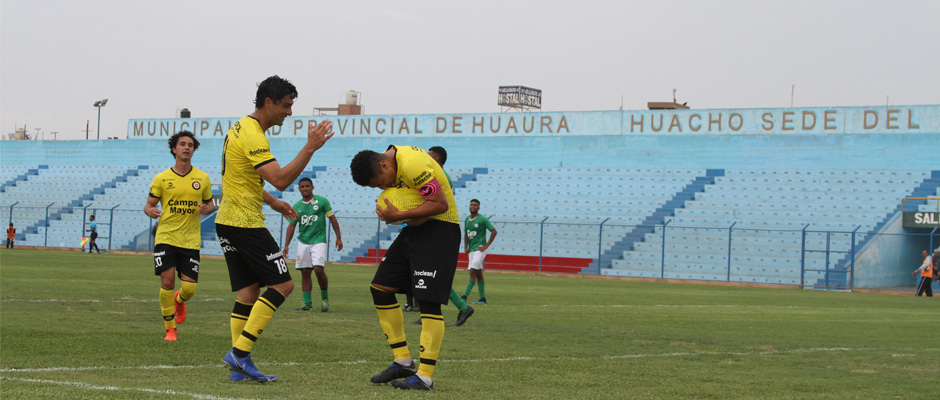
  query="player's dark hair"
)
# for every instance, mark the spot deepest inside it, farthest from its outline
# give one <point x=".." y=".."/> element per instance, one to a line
<point x="441" y="152"/>
<point x="176" y="138"/>
<point x="472" y="200"/>
<point x="305" y="179"/>
<point x="365" y="166"/>
<point x="274" y="88"/>
<point x="92" y="216"/>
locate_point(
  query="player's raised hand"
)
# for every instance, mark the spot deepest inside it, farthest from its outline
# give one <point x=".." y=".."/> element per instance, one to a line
<point x="318" y="134"/>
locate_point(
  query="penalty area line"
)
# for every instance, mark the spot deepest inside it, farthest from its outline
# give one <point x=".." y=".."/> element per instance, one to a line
<point x="83" y="385"/>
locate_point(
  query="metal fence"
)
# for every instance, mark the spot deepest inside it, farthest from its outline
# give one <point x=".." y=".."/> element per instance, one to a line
<point x="806" y="257"/>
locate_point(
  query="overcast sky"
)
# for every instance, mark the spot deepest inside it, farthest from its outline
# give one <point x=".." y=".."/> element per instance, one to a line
<point x="151" y="58"/>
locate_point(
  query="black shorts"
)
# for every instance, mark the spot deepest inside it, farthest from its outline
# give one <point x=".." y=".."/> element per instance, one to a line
<point x="252" y="257"/>
<point x="94" y="235"/>
<point x="186" y="261"/>
<point x="422" y="261"/>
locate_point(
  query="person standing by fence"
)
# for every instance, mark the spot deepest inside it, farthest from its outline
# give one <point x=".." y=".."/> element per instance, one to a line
<point x="936" y="268"/>
<point x="93" y="228"/>
<point x="926" y="274"/>
<point x="11" y="236"/>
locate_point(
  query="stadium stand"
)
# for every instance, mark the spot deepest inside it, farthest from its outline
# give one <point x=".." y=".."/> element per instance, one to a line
<point x="552" y="214"/>
<point x="770" y="208"/>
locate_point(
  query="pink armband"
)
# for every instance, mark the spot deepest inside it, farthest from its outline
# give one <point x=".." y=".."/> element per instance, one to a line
<point x="430" y="189"/>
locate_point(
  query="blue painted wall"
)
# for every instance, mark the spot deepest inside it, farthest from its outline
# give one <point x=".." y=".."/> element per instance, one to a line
<point x="748" y="121"/>
<point x="805" y="151"/>
<point x="890" y="258"/>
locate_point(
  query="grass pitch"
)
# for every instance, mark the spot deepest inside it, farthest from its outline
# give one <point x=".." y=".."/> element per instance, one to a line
<point x="74" y="325"/>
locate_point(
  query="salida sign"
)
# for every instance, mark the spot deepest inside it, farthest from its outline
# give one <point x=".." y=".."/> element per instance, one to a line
<point x="922" y="220"/>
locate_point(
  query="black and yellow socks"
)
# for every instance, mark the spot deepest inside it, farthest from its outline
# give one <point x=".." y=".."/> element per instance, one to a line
<point x="261" y="314"/>
<point x="187" y="290"/>
<point x="432" y="334"/>
<point x="240" y="314"/>
<point x="392" y="321"/>
<point x="167" y="307"/>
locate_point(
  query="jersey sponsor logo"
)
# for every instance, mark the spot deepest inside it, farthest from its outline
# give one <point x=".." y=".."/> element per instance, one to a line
<point x="309" y="219"/>
<point x="226" y="245"/>
<point x="182" y="206"/>
<point x="432" y="274"/>
<point x="420" y="284"/>
<point x="196" y="185"/>
<point x="160" y="254"/>
<point x="170" y="185"/>
<point x="259" y="151"/>
<point x="274" y="256"/>
<point x="423" y="177"/>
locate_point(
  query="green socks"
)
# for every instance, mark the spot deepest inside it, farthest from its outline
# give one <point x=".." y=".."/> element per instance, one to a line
<point x="455" y="298"/>
<point x="307" y="300"/>
<point x="469" y="288"/>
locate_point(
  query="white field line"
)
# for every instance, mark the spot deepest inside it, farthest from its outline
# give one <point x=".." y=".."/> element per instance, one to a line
<point x="493" y="360"/>
<point x="99" y="301"/>
<point x="513" y="305"/>
<point x="115" y="388"/>
<point x="698" y="306"/>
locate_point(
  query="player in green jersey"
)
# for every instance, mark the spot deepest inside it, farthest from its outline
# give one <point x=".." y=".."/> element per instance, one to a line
<point x="439" y="154"/>
<point x="312" y="212"/>
<point x="475" y="245"/>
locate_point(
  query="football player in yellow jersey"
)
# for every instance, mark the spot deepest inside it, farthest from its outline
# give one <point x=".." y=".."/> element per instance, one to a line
<point x="253" y="257"/>
<point x="184" y="193"/>
<point x="421" y="261"/>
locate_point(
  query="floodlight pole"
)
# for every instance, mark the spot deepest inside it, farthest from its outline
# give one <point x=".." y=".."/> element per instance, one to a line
<point x="98" y="105"/>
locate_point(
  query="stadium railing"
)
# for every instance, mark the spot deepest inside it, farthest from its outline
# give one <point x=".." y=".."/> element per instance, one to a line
<point x="804" y="256"/>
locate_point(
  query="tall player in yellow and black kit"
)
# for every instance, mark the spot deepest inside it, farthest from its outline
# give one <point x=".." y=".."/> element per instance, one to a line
<point x="253" y="257"/>
<point x="421" y="261"/>
<point x="184" y="194"/>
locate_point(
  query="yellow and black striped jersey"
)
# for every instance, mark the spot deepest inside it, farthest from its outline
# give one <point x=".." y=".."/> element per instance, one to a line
<point x="246" y="148"/>
<point x="180" y="197"/>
